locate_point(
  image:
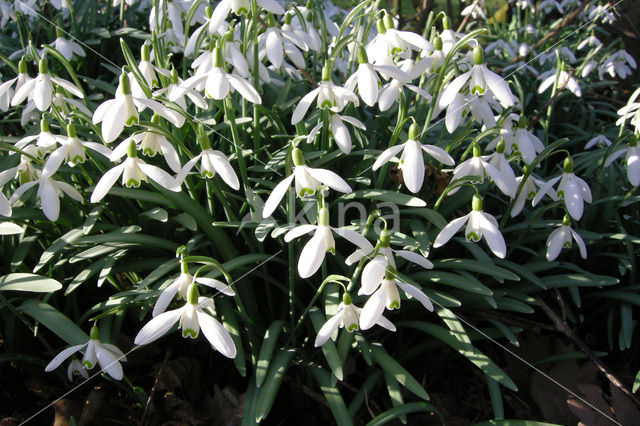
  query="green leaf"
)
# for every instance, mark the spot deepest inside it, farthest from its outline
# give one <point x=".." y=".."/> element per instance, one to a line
<point x="329" y="348"/>
<point x="496" y="398"/>
<point x="636" y="383"/>
<point x="29" y="282"/>
<point x="230" y="323"/>
<point x="391" y="366"/>
<point x="514" y="423"/>
<point x="384" y="195"/>
<point x="582" y="280"/>
<point x="57" y="246"/>
<point x="470" y="283"/>
<point x="393" y="388"/>
<point x="55" y="321"/>
<point x="331" y="395"/>
<point x="468" y="350"/>
<point x="396" y="412"/>
<point x="500" y="274"/>
<point x="266" y="350"/>
<point x="269" y="390"/>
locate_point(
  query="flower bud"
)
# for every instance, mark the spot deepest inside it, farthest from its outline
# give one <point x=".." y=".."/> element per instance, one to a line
<point x="446" y="23"/>
<point x="380" y="27"/>
<point x="388" y="22"/>
<point x="59" y="32"/>
<point x="271" y="22"/>
<point x="184" y="267"/>
<point x="476" y="150"/>
<point x="173" y="77"/>
<point x="208" y="11"/>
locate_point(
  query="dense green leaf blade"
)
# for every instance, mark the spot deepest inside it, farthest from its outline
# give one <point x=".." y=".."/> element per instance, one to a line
<point x="266" y="350"/>
<point x="55" y="321"/>
<point x="269" y="390"/>
<point x="332" y="395"/>
<point x="29" y="282"/>
<point x="396" y="412"/>
<point x="391" y="366"/>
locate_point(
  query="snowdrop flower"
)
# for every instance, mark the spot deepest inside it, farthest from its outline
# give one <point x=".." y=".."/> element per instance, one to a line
<point x="274" y="43"/>
<point x="528" y="144"/>
<point x="499" y="161"/>
<point x="592" y="40"/>
<point x="391" y="91"/>
<point x="600" y="140"/>
<point x="121" y="111"/>
<point x="631" y="159"/>
<point x="49" y="191"/>
<point x="475" y="10"/>
<point x="5" y="205"/>
<point x="479" y="224"/>
<point x="174" y="94"/>
<point x="549" y="78"/>
<point x="631" y="111"/>
<point x="106" y="355"/>
<point x="150" y="143"/>
<point x="180" y="286"/>
<point x="211" y="162"/>
<point x="479" y="166"/>
<point x="524" y="4"/>
<point x="313" y="38"/>
<point x="45" y="140"/>
<point x="40" y="89"/>
<point x="76" y="368"/>
<point x="133" y="172"/>
<point x="190" y="318"/>
<point x="347" y="317"/>
<point x="72" y="150"/>
<point x="6" y="93"/>
<point x="548" y="5"/>
<point x="572" y="189"/>
<point x="602" y="12"/>
<point x="67" y="48"/>
<point x="448" y="36"/>
<point x="480" y="79"/>
<point x="322" y="242"/>
<point x="411" y="161"/>
<point x="374" y="271"/>
<point x="561" y="238"/>
<point x="239" y="7"/>
<point x="367" y="80"/>
<point x="385" y="295"/>
<point x="218" y="82"/>
<point x="528" y="192"/>
<point x="307" y="181"/>
<point x="617" y="64"/>
<point x="329" y="96"/>
<point x="390" y="42"/>
<point x="338" y="130"/>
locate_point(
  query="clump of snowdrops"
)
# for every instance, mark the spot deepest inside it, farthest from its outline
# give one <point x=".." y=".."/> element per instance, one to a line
<point x="298" y="183"/>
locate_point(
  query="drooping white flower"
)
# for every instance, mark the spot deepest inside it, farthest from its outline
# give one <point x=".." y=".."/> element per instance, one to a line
<point x="547" y="6"/>
<point x="599" y="140"/>
<point x="307" y="181"/>
<point x="390" y="42"/>
<point x="528" y="192"/>
<point x="150" y="142"/>
<point x="212" y="161"/>
<point x="475" y="10"/>
<point x="480" y="79"/>
<point x="322" y="242"/>
<point x="478" y="166"/>
<point x="619" y="63"/>
<point x="217" y="83"/>
<point x="72" y="150"/>
<point x="411" y="160"/>
<point x="67" y="48"/>
<point x="40" y="90"/>
<point x="561" y="238"/>
<point x="592" y="40"/>
<point x="385" y="295"/>
<point x="549" y="78"/>
<point x="390" y="92"/>
<point x="106" y="355"/>
<point x="49" y="191"/>
<point x="479" y="224"/>
<point x="6" y="92"/>
<point x="329" y="96"/>
<point x="631" y="111"/>
<point x="572" y="189"/>
<point x="180" y="286"/>
<point x="338" y="130"/>
<point x="239" y="7"/>
<point x="631" y="152"/>
<point x="190" y="318"/>
<point x="133" y="171"/>
<point x="347" y="317"/>
<point x="276" y="42"/>
<point x="76" y="368"/>
<point x="44" y="141"/>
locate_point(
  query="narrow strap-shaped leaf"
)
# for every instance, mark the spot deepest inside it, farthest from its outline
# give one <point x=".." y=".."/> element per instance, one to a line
<point x="393" y="388"/>
<point x="496" y="398"/>
<point x="269" y="390"/>
<point x="55" y="321"/>
<point x="332" y="395"/>
<point x="390" y="365"/>
<point x="230" y="322"/>
<point x="266" y="350"/>
<point x="29" y="282"/>
<point x="396" y="412"/>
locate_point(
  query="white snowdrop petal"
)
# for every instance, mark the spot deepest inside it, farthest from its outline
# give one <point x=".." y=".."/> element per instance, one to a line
<point x="372" y="310"/>
<point x="312" y="255"/>
<point x="450" y="230"/>
<point x="578" y="239"/>
<point x="216" y="334"/>
<point x="245" y="89"/>
<point x="328" y="328"/>
<point x="340" y="134"/>
<point x="105" y="183"/>
<point x="452" y="89"/>
<point x="299" y="231"/>
<point x="387" y="155"/>
<point x="372" y="275"/>
<point x="412" y="166"/>
<point x="573" y="200"/>
<point x="68" y="86"/>
<point x="109" y="363"/>
<point x="59" y="359"/>
<point x="416" y="293"/>
<point x="492" y="236"/>
<point x="302" y="107"/>
<point x="329" y="178"/>
<point x="367" y="84"/>
<point x="276" y="196"/>
<point x="216" y="284"/>
<point x="439" y="154"/>
<point x="498" y="86"/>
<point x="49" y="201"/>
<point x="415" y="258"/>
<point x="223" y="167"/>
<point x="554" y="244"/>
<point x="159" y="176"/>
<point x="165" y="299"/>
<point x="157" y="327"/>
<point x="353" y="237"/>
<point x="384" y="322"/>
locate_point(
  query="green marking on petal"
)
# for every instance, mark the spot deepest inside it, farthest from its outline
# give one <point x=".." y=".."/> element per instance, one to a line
<point x="352" y="327"/>
<point x="192" y="334"/>
<point x="472" y="236"/>
<point x="394" y="304"/>
<point x="133" y="183"/>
